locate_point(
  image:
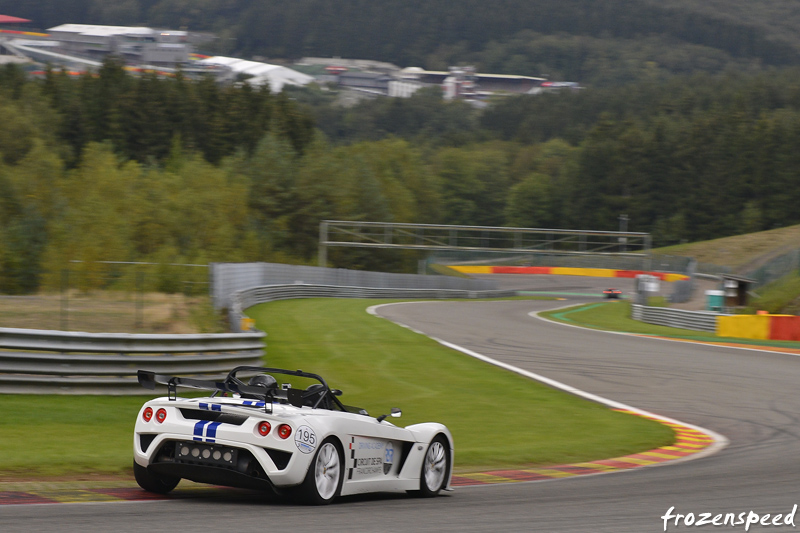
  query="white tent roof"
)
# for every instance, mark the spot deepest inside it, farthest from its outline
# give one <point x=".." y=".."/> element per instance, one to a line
<point x="262" y="73"/>
<point x="96" y="30"/>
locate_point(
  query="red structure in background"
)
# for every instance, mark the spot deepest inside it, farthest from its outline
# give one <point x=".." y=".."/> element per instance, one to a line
<point x="5" y="19"/>
<point x="784" y="328"/>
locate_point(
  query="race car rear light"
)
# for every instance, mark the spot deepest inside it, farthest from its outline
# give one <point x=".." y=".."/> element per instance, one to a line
<point x="284" y="431"/>
<point x="147" y="415"/>
<point x="161" y="415"/>
<point x="263" y="428"/>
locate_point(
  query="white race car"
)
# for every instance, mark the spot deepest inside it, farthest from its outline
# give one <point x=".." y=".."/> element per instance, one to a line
<point x="286" y="438"/>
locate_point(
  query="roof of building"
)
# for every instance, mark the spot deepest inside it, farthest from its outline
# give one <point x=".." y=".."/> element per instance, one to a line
<point x="6" y="19"/>
<point x="95" y="30"/>
<point x="262" y="73"/>
<point x="416" y="72"/>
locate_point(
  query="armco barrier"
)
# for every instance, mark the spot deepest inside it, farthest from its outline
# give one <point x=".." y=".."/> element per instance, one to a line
<point x="106" y="363"/>
<point x="676" y="318"/>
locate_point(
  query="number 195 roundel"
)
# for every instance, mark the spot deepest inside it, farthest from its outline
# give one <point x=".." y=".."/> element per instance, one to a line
<point x="287" y="438"/>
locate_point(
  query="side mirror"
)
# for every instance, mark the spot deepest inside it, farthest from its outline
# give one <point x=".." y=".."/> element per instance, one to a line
<point x="394" y="413"/>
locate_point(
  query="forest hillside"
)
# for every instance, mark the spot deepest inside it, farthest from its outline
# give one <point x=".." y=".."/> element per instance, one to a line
<point x="599" y="43"/>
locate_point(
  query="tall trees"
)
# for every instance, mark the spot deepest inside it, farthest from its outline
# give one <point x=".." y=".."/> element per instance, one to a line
<point x="474" y="183"/>
<point x="141" y="115"/>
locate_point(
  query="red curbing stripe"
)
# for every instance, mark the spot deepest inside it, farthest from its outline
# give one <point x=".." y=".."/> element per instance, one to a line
<point x="688" y="441"/>
<point x="17" y="498"/>
<point x="458" y="481"/>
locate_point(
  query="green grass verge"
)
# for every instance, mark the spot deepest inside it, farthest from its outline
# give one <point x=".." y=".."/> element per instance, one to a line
<point x="66" y="435"/>
<point x="498" y="419"/>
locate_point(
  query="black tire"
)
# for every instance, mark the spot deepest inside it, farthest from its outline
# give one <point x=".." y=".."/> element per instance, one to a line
<point x="436" y="467"/>
<point x="323" y="482"/>
<point x="153" y="482"/>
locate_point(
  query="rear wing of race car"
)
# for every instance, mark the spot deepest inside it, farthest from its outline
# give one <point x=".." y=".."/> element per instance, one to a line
<point x="148" y="380"/>
<point x="232" y="384"/>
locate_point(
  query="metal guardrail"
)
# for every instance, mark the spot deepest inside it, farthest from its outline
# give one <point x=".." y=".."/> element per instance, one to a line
<point x="676" y="318"/>
<point x="70" y="341"/>
<point x="106" y="363"/>
<point x="257" y="295"/>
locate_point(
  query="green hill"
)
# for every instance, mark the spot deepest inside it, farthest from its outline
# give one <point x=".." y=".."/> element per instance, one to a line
<point x="740" y="252"/>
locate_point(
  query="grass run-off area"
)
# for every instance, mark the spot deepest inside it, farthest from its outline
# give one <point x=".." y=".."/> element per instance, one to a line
<point x="498" y="419"/>
<point x="613" y="316"/>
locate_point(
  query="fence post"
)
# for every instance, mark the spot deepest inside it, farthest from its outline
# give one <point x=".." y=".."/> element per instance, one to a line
<point x="139" y="300"/>
<point x="64" y="299"/>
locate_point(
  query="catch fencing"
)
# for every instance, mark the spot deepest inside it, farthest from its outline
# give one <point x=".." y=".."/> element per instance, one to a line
<point x="776" y="268"/>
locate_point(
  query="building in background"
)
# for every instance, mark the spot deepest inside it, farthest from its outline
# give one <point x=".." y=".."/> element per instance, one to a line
<point x="136" y="45"/>
<point x="231" y="69"/>
<point x="9" y="28"/>
<point x="459" y="82"/>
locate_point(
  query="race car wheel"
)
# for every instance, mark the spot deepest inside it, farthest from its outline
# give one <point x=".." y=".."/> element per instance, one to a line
<point x="324" y="480"/>
<point x="153" y="482"/>
<point x="435" y="467"/>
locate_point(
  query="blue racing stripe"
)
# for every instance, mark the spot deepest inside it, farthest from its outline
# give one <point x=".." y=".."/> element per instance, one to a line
<point x="211" y="432"/>
<point x="199" y="427"/>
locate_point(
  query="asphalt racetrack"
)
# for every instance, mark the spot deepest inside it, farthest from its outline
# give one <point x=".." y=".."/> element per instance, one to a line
<point x="750" y="397"/>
